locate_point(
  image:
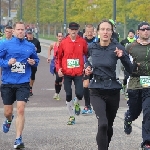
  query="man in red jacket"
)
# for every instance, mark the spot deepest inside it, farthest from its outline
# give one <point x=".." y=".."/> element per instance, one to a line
<point x="70" y="65"/>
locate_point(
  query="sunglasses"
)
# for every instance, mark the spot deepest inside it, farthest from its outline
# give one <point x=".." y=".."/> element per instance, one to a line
<point x="148" y="28"/>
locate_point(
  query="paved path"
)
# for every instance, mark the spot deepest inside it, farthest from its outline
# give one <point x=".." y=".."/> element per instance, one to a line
<point x="46" y="129"/>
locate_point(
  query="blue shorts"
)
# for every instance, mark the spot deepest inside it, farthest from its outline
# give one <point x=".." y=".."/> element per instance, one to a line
<point x="14" y="92"/>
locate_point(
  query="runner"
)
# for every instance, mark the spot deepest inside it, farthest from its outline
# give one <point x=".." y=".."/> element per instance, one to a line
<point x="30" y="38"/>
<point x="139" y="85"/>
<point x="8" y="34"/>
<point x="89" y="31"/>
<point x="115" y="35"/>
<point x="71" y="65"/>
<point x="16" y="57"/>
<point x="130" y="38"/>
<point x="54" y="65"/>
<point x="104" y="87"/>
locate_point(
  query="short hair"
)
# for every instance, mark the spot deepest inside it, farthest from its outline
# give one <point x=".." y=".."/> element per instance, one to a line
<point x="89" y="26"/>
<point x="18" y="22"/>
<point x="8" y="27"/>
<point x="106" y="20"/>
<point x="58" y="33"/>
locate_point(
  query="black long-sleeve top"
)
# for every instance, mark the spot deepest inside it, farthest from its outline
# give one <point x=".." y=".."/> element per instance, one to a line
<point x="103" y="60"/>
<point x="36" y="43"/>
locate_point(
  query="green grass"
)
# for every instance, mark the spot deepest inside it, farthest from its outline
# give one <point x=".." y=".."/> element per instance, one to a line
<point x="51" y="37"/>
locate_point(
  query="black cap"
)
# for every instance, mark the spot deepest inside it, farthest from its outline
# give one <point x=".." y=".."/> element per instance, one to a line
<point x="29" y="31"/>
<point x="131" y="30"/>
<point x="141" y="24"/>
<point x="73" y="25"/>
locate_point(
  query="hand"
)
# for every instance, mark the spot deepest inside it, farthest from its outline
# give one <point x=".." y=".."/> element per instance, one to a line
<point x="88" y="70"/>
<point x="118" y="52"/>
<point x="35" y="48"/>
<point x="48" y="60"/>
<point x="11" y="61"/>
<point x="60" y="74"/>
<point x="31" y="61"/>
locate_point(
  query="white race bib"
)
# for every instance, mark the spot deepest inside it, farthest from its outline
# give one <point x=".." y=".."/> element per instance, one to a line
<point x="73" y="63"/>
<point x="18" y="67"/>
<point x="145" y="81"/>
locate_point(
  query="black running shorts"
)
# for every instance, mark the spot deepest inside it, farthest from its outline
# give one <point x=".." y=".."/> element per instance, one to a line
<point x="14" y="92"/>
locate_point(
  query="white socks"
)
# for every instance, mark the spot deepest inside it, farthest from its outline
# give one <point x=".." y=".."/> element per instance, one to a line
<point x="70" y="108"/>
<point x="76" y="100"/>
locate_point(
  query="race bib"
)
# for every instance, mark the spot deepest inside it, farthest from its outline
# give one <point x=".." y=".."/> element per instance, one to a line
<point x="145" y="81"/>
<point x="73" y="63"/>
<point x="18" y="67"/>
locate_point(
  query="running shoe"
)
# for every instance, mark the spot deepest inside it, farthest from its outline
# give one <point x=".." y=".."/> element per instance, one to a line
<point x="7" y="124"/>
<point x="127" y="127"/>
<point x="146" y="147"/>
<point x="55" y="96"/>
<point x="18" y="143"/>
<point x="85" y="110"/>
<point x="71" y="120"/>
<point x="58" y="97"/>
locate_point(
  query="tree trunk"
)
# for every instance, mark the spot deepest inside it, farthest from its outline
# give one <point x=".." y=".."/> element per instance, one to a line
<point x="49" y="30"/>
<point x="43" y="30"/>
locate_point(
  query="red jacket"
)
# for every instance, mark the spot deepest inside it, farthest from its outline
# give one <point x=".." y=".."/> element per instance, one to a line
<point x="71" y="53"/>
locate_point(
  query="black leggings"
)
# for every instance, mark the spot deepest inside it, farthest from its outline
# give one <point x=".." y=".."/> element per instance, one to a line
<point x="58" y="83"/>
<point x="126" y="76"/>
<point x="33" y="72"/>
<point x="105" y="104"/>
<point x="58" y="79"/>
<point x="139" y="100"/>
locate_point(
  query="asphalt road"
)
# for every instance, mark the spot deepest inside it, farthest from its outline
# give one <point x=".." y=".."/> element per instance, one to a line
<point x="46" y="129"/>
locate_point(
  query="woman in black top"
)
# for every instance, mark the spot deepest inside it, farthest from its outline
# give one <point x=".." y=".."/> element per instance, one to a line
<point x="104" y="87"/>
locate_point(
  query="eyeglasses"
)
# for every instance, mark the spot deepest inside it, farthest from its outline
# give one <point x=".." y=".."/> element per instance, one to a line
<point x="148" y="28"/>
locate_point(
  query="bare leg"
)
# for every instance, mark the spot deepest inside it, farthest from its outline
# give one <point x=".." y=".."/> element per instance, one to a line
<point x="20" y="120"/>
<point x="8" y="111"/>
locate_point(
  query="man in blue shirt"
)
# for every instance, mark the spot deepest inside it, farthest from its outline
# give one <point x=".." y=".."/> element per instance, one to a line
<point x="16" y="58"/>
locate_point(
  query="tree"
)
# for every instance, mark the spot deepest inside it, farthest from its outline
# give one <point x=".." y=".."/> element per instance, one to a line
<point x="142" y="13"/>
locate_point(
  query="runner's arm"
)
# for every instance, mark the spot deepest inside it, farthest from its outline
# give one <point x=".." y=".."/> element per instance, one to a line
<point x="85" y="48"/>
<point x="60" y="55"/>
<point x="3" y="62"/>
<point x="38" y="47"/>
<point x="35" y="57"/>
<point x="49" y="52"/>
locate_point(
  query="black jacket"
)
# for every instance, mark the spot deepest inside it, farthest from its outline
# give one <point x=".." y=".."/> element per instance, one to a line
<point x="115" y="36"/>
<point x="36" y="43"/>
<point x="103" y="60"/>
<point x="124" y="42"/>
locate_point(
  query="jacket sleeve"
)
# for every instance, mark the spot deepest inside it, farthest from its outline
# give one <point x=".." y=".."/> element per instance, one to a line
<point x="125" y="60"/>
<point x="122" y="43"/>
<point x="3" y="51"/>
<point x="35" y="57"/>
<point x="85" y="48"/>
<point x="38" y="47"/>
<point x="89" y="60"/>
<point x="60" y="55"/>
